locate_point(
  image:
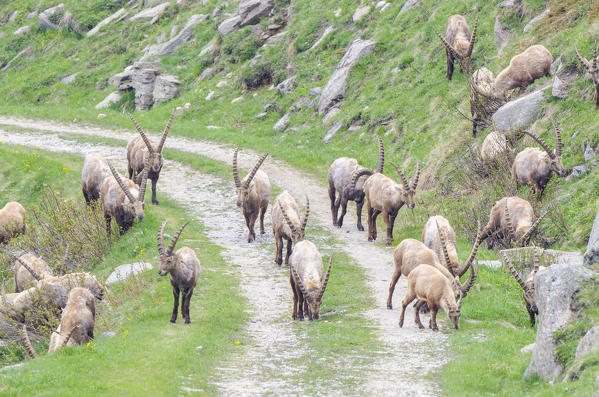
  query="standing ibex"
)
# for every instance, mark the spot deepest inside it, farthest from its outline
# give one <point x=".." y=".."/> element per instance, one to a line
<point x="430" y="286"/>
<point x="503" y="214"/>
<point x="384" y="195"/>
<point x="305" y="277"/>
<point x="12" y="221"/>
<point x="142" y="149"/>
<point x="123" y="200"/>
<point x="524" y="69"/>
<point x="286" y="224"/>
<point x="183" y="268"/>
<point x="29" y="269"/>
<point x="535" y="167"/>
<point x="528" y="287"/>
<point x="458" y="43"/>
<point x="431" y="237"/>
<point x="95" y="170"/>
<point x="494" y="148"/>
<point x="592" y="70"/>
<point x="77" y="321"/>
<point x="340" y="180"/>
<point x="253" y="194"/>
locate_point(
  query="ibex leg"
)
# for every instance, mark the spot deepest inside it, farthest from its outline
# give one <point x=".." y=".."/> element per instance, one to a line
<point x="175" y="304"/>
<point x="359" y="205"/>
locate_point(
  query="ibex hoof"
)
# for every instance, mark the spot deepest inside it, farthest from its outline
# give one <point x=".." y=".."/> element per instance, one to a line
<point x="388" y="244"/>
<point x="187" y="321"/>
<point x="155" y="202"/>
<point x="361" y="228"/>
<point x="390" y="306"/>
<point x="421" y="326"/>
<point x="435" y="328"/>
<point x="173" y="320"/>
<point x="370" y="239"/>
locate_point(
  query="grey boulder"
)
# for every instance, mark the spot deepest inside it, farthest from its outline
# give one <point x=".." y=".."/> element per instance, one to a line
<point x="48" y="19"/>
<point x="520" y="113"/>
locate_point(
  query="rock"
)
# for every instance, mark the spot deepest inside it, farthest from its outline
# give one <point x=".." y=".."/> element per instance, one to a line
<point x="407" y="6"/>
<point x="165" y="88"/>
<point x="556" y="65"/>
<point x="22" y="30"/>
<point x="209" y="51"/>
<point x="335" y="88"/>
<point x="554" y="288"/>
<point x="315" y="91"/>
<point x="536" y="19"/>
<point x="184" y="35"/>
<point x="523" y="258"/>
<point x="221" y="84"/>
<point x="330" y="115"/>
<point x="216" y="12"/>
<point x="591" y="255"/>
<point x="250" y="11"/>
<point x="229" y="25"/>
<point x="106" y="21"/>
<point x="69" y="79"/>
<point x="101" y="116"/>
<point x="527" y="348"/>
<point x="577" y="172"/>
<point x="143" y="82"/>
<point x="518" y="114"/>
<point x="490" y="263"/>
<point x="275" y="38"/>
<point x="588" y="343"/>
<point x="107" y="334"/>
<point x="120" y="273"/>
<point x="285" y="87"/>
<point x="235" y="100"/>
<point x="48" y="19"/>
<point x="261" y="115"/>
<point x="152" y="13"/>
<point x="187" y="106"/>
<point x="19" y="54"/>
<point x="510" y="4"/>
<point x="338" y="12"/>
<point x="283" y="123"/>
<point x="331" y="133"/>
<point x="360" y="13"/>
<point x="559" y="89"/>
<point x="14" y="366"/>
<point x="380" y="4"/>
<point x="501" y="35"/>
<point x="31" y="15"/>
<point x="324" y="34"/>
<point x="301" y="103"/>
<point x="207" y="74"/>
<point x="589" y="153"/>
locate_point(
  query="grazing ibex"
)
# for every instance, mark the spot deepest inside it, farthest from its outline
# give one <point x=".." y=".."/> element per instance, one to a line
<point x="340" y="180"/>
<point x="535" y="167"/>
<point x="430" y="286"/>
<point x="183" y="268"/>
<point x="286" y="224"/>
<point x="12" y="221"/>
<point x="29" y="269"/>
<point x="432" y="238"/>
<point x="524" y="69"/>
<point x="305" y="277"/>
<point x="95" y="170"/>
<point x="77" y="321"/>
<point x="253" y="194"/>
<point x="591" y="70"/>
<point x="123" y="200"/>
<point x="512" y="217"/>
<point x="142" y="149"/>
<point x="528" y="287"/>
<point x="494" y="147"/>
<point x="384" y="195"/>
<point x="458" y="43"/>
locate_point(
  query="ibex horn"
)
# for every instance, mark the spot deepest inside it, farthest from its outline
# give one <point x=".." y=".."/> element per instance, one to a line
<point x="404" y="181"/>
<point x="326" y="279"/>
<point x="414" y="182"/>
<point x="470" y="282"/>
<point x="120" y="182"/>
<point x="473" y="38"/>
<point x="357" y="174"/>
<point x="508" y="221"/>
<point x="67" y="252"/>
<point x="535" y="260"/>
<point x="291" y="225"/>
<point x="28" y="344"/>
<point x="160" y="239"/>
<point x="171" y="246"/>
<point x="594" y="67"/>
<point x="449" y="47"/>
<point x="298" y="281"/>
<point x="29" y="269"/>
<point x="144" y="181"/>
<point x="558" y="139"/>
<point x="68" y="337"/>
<point x="529" y="232"/>
<point x="258" y="164"/>
<point x="541" y="142"/>
<point x="583" y="60"/>
<point x="142" y="133"/>
<point x="381" y="163"/>
<point x="512" y="270"/>
<point x="446" y="260"/>
<point x="235" y="170"/>
<point x="470" y="260"/>
<point x="307" y="212"/>
<point x="165" y="132"/>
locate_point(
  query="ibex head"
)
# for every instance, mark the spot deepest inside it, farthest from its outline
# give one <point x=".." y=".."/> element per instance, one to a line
<point x="135" y="207"/>
<point x="591" y="67"/>
<point x="463" y="49"/>
<point x="528" y="289"/>
<point x="168" y="260"/>
<point x="453" y="312"/>
<point x="154" y="159"/>
<point x="296" y="234"/>
<point x="313" y="296"/>
<point x="243" y="189"/>
<point x="408" y="188"/>
<point x="555" y="156"/>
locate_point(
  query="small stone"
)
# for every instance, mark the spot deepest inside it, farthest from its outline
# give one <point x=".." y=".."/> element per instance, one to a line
<point x="559" y="89"/>
<point x="330" y="115"/>
<point x="110" y="99"/>
<point x="106" y="21"/>
<point x="577" y="172"/>
<point x="338" y="12"/>
<point x="589" y="153"/>
<point x="315" y="91"/>
<point x="239" y="98"/>
<point x="207" y="74"/>
<point x="108" y="334"/>
<point x="409" y="4"/>
<point x="556" y="66"/>
<point x="283" y="123"/>
<point x="120" y="273"/>
<point x="221" y="84"/>
<point x="69" y="79"/>
<point x="588" y="343"/>
<point x="536" y="19"/>
<point x="261" y="115"/>
<point x="360" y="13"/>
<point x="527" y="348"/>
<point x="22" y="30"/>
<point x="210" y="95"/>
<point x="152" y="13"/>
<point x="101" y="116"/>
<point x="331" y="133"/>
<point x="31" y="15"/>
<point x="187" y="106"/>
<point x="286" y="86"/>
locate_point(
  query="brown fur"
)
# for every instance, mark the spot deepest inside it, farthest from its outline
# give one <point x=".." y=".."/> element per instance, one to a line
<point x="77" y="321"/>
<point x="95" y="170"/>
<point x="12" y="221"/>
<point x="291" y="229"/>
<point x="23" y="277"/>
<point x="524" y="69"/>
<point x="431" y="238"/>
<point x="458" y="43"/>
<point x="494" y="145"/>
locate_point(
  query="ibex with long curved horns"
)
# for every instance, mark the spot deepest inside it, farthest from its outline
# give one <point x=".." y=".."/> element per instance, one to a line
<point x="513" y="218"/>
<point x="458" y="43"/>
<point x="591" y="70"/>
<point x="340" y="180"/>
<point x="183" y="268"/>
<point x="253" y="194"/>
<point x="528" y="287"/>
<point x="535" y="167"/>
<point x="286" y="224"/>
<point x="29" y="269"/>
<point x="385" y="196"/>
<point x="142" y="149"/>
<point x="78" y="320"/>
<point x="524" y="69"/>
<point x="12" y="221"/>
<point x="123" y="200"/>
<point x="307" y="283"/>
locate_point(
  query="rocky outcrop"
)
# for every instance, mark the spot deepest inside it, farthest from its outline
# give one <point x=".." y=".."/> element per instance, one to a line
<point x="109" y="100"/>
<point x="409" y="4"/>
<point x="283" y="123"/>
<point x="588" y="343"/>
<point x="324" y="34"/>
<point x="332" y="131"/>
<point x="22" y="30"/>
<point x="536" y="19"/>
<point x="591" y="256"/>
<point x="165" y="88"/>
<point x="184" y="35"/>
<point x="49" y="19"/>
<point x="520" y="113"/>
<point x="151" y="13"/>
<point x="360" y="13"/>
<point x="249" y="12"/>
<point x="120" y="13"/>
<point x="335" y="88"/>
<point x="121" y="272"/>
<point x="286" y="87"/>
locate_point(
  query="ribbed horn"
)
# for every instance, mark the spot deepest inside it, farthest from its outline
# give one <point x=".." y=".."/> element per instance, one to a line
<point x="473" y="38"/>
<point x="508" y="220"/>
<point x="583" y="60"/>
<point x="307" y="212"/>
<point x="144" y="182"/>
<point x="470" y="260"/>
<point x="235" y="170"/>
<point x="326" y="279"/>
<point x="165" y="132"/>
<point x="291" y="225"/>
<point x="171" y="246"/>
<point x="512" y="270"/>
<point x="298" y="281"/>
<point x="594" y="66"/>
<point x="253" y="173"/>
<point x="558" y="139"/>
<point x="381" y="163"/>
<point x="356" y="175"/>
<point x="414" y="182"/>
<point x="29" y="269"/>
<point x="535" y="260"/>
<point x="446" y="260"/>
<point x="28" y="344"/>
<point x="470" y="282"/>
<point x="120" y="182"/>
<point x="142" y="133"/>
<point x="527" y="235"/>
<point x="160" y="239"/>
<point x="68" y="337"/>
<point x="542" y="143"/>
<point x="404" y="181"/>
<point x="449" y="47"/>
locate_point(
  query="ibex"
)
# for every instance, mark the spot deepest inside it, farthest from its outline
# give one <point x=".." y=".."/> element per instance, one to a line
<point x="524" y="69"/>
<point x="286" y="224"/>
<point x="591" y="70"/>
<point x="77" y="321"/>
<point x="142" y="149"/>
<point x="12" y="221"/>
<point x="253" y="194"/>
<point x="494" y="147"/>
<point x="183" y="268"/>
<point x="512" y="217"/>
<point x="307" y="283"/>
<point x="29" y="269"/>
<point x="430" y="286"/>
<point x="431" y="237"/>
<point x="535" y="167"/>
<point x="123" y="200"/>
<point x="384" y="195"/>
<point x="340" y="180"/>
<point x="528" y="287"/>
<point x="458" y="43"/>
<point x="95" y="170"/>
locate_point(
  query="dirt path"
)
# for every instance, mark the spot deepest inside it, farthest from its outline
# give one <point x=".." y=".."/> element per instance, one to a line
<point x="404" y="356"/>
